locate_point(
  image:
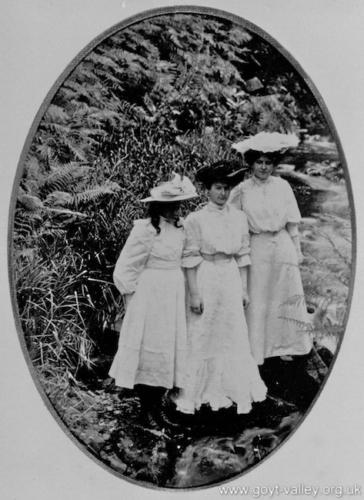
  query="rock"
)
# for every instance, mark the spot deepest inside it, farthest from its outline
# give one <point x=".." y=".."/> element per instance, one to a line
<point x="325" y="354"/>
<point x="95" y="442"/>
<point x="114" y="461"/>
<point x="315" y="183"/>
<point x="213" y="459"/>
<point x="316" y="368"/>
<point x="206" y="462"/>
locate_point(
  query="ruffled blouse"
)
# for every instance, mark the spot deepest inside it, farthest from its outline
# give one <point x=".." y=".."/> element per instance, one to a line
<point x="269" y="205"/>
<point x="144" y="248"/>
<point x="213" y="230"/>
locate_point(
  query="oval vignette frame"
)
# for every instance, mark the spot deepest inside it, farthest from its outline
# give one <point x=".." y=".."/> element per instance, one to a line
<point x="127" y="23"/>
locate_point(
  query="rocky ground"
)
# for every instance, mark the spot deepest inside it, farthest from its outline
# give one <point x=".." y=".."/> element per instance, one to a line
<point x="217" y="446"/>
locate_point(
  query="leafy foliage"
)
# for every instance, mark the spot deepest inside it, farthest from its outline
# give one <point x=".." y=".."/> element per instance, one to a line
<point x="167" y="94"/>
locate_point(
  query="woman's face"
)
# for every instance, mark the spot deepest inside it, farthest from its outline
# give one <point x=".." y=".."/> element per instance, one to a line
<point x="170" y="211"/>
<point x="219" y="193"/>
<point x="262" y="167"/>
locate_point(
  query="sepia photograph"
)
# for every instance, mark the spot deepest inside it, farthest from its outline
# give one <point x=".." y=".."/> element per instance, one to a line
<point x="182" y="248"/>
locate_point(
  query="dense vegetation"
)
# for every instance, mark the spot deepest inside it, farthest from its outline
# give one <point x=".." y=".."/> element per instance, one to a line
<point x="167" y="94"/>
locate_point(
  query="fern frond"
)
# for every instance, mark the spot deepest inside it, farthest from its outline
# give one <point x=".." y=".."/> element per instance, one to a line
<point x="239" y="36"/>
<point x="80" y="109"/>
<point x="65" y="212"/>
<point x="52" y="234"/>
<point x="304" y="326"/>
<point x="109" y="79"/>
<point x="84" y="135"/>
<point x="63" y="178"/>
<point x="78" y="89"/>
<point x="174" y="38"/>
<point x="22" y="228"/>
<point x="105" y="115"/>
<point x="96" y="194"/>
<point x="295" y="300"/>
<point x="55" y="114"/>
<point x="134" y="62"/>
<point x="103" y="61"/>
<point x="32" y="168"/>
<point x="46" y="150"/>
<point x="77" y="151"/>
<point x="58" y="199"/>
<point x="30" y="203"/>
<point x="126" y="108"/>
<point x="58" y="128"/>
<point x="26" y="223"/>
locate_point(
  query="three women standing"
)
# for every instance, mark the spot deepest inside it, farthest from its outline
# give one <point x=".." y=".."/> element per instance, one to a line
<point x="213" y="358"/>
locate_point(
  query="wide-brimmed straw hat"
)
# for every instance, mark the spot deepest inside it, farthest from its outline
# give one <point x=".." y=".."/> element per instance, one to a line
<point x="228" y="172"/>
<point x="267" y="142"/>
<point x="177" y="189"/>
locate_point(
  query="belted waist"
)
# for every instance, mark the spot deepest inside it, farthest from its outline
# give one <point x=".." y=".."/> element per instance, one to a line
<point x="268" y="233"/>
<point x="217" y="257"/>
<point x="162" y="264"/>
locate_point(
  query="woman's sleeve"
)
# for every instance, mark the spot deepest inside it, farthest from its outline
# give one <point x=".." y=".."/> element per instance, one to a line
<point x="292" y="210"/>
<point x="133" y="257"/>
<point x="243" y="256"/>
<point x="191" y="256"/>
<point x="235" y="198"/>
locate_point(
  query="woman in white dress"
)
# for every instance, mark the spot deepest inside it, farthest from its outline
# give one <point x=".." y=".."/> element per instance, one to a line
<point x="220" y="368"/>
<point x="152" y="343"/>
<point x="277" y="316"/>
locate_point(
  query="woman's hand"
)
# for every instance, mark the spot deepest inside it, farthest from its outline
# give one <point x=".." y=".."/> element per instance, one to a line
<point x="126" y="299"/>
<point x="196" y="303"/>
<point x="297" y="245"/>
<point x="300" y="257"/>
<point x="246" y="300"/>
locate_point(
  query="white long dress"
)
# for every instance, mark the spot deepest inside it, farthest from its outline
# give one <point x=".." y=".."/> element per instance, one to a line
<point x="152" y="342"/>
<point x="277" y="315"/>
<point x="220" y="367"/>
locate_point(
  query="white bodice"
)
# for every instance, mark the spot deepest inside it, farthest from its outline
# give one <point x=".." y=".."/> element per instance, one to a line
<point x="213" y="230"/>
<point x="145" y="249"/>
<point x="269" y="205"/>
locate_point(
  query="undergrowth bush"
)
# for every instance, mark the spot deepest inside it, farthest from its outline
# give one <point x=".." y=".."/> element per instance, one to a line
<point x="167" y="94"/>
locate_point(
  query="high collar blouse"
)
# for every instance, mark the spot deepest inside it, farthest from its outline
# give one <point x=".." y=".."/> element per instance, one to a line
<point x="214" y="230"/>
<point x="269" y="205"/>
<point x="146" y="249"/>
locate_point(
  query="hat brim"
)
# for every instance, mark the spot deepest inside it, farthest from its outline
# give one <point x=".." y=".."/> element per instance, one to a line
<point x="267" y="142"/>
<point x="211" y="177"/>
<point x="235" y="177"/>
<point x="170" y="199"/>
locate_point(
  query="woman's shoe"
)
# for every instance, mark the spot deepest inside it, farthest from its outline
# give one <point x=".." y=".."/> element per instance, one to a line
<point x="167" y="414"/>
<point x="148" y="420"/>
<point x="150" y="400"/>
<point x="168" y="422"/>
